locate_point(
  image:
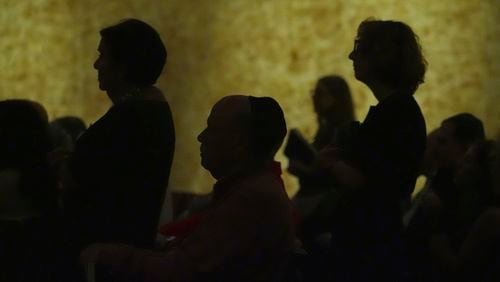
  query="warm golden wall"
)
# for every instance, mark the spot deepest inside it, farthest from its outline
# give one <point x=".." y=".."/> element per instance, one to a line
<point x="276" y="48"/>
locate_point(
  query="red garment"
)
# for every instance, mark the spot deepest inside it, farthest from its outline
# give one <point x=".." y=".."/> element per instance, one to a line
<point x="183" y="227"/>
<point x="246" y="235"/>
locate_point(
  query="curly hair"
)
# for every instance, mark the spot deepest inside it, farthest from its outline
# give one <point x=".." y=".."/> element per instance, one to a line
<point x="395" y="53"/>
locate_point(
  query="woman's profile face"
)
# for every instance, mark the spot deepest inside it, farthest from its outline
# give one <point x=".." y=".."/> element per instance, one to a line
<point x="109" y="76"/>
<point x="323" y="101"/>
<point x="360" y="62"/>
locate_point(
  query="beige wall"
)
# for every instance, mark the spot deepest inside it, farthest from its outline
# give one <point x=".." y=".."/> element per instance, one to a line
<point x="276" y="48"/>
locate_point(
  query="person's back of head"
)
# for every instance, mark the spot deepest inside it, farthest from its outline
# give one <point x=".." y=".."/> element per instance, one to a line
<point x="267" y="127"/>
<point x="72" y="125"/>
<point x="24" y="135"/>
<point x="137" y="48"/>
<point x="394" y="53"/>
<point x="24" y="144"/>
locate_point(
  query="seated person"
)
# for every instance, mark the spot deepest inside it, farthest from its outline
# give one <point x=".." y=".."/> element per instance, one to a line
<point x="455" y="136"/>
<point x="334" y="109"/>
<point x="446" y="148"/>
<point x="316" y="199"/>
<point x="470" y="252"/>
<point x="72" y="125"/>
<point x="247" y="233"/>
<point x="28" y="195"/>
<point x="65" y="131"/>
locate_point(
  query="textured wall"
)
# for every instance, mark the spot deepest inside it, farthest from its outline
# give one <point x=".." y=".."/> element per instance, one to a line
<point x="276" y="48"/>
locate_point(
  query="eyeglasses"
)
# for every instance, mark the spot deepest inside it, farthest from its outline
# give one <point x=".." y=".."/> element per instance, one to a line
<point x="357" y="45"/>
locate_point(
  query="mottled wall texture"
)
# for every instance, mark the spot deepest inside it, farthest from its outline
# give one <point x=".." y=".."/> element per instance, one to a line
<point x="275" y="48"/>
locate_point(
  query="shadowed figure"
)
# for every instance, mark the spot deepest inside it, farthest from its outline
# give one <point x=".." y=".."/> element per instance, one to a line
<point x="247" y="233"/>
<point x="317" y="198"/>
<point x="30" y="238"/>
<point x="71" y="125"/>
<point x="470" y="251"/>
<point x="377" y="172"/>
<point x="118" y="173"/>
<point x="444" y="155"/>
<point x="334" y="109"/>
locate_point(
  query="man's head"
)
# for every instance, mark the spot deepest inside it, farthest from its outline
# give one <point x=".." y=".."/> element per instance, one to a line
<point x="131" y="52"/>
<point x="72" y="125"/>
<point x="455" y="136"/>
<point x="242" y="131"/>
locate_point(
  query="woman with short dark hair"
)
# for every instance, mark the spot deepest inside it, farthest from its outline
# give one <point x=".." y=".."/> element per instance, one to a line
<point x="121" y="164"/>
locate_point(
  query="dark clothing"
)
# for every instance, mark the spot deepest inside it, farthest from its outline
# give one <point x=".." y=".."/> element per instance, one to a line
<point x="29" y="250"/>
<point x="318" y="181"/>
<point x="121" y="166"/>
<point x="418" y="234"/>
<point x="387" y="150"/>
<point x="246" y="235"/>
<point x="327" y="134"/>
<point x="443" y="185"/>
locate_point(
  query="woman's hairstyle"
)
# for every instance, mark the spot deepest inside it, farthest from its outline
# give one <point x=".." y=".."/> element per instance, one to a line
<point x="395" y="53"/>
<point x="136" y="46"/>
<point x="337" y="86"/>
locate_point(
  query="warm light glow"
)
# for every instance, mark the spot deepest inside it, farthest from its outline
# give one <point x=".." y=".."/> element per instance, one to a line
<point x="274" y="48"/>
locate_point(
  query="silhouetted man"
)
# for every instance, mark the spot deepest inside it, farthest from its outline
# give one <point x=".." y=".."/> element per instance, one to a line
<point x="247" y="233"/>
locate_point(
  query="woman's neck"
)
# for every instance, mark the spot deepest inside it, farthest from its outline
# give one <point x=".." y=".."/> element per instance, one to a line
<point x="381" y="91"/>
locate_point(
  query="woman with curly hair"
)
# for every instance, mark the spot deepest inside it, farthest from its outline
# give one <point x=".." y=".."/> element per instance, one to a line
<point x="377" y="172"/>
